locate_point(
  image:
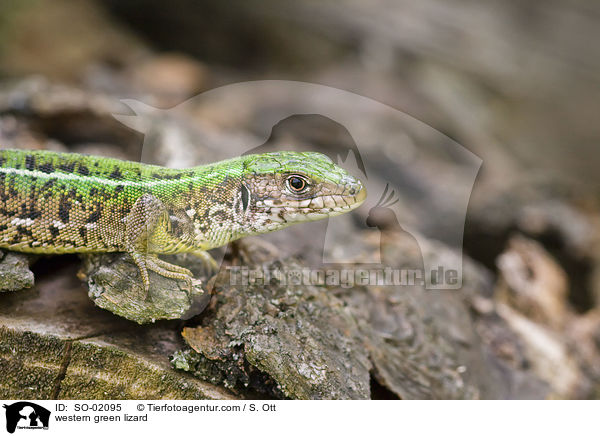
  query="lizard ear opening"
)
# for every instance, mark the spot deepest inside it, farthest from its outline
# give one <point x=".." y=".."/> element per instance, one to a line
<point x="245" y="197"/>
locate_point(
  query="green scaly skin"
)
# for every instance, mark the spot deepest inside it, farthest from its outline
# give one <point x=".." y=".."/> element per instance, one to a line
<point x="55" y="203"/>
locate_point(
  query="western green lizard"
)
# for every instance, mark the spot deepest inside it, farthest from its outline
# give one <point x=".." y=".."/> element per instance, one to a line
<point x="54" y="203"/>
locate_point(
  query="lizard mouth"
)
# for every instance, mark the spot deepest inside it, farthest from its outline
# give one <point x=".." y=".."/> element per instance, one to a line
<point x="289" y="210"/>
<point x="325" y="206"/>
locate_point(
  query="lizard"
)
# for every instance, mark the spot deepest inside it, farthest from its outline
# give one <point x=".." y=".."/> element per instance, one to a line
<point x="58" y="203"/>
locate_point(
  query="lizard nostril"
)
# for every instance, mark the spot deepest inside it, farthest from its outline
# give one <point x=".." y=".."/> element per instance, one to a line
<point x="352" y="191"/>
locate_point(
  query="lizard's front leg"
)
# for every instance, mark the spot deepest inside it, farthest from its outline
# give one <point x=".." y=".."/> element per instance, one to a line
<point x="147" y="229"/>
<point x="183" y="229"/>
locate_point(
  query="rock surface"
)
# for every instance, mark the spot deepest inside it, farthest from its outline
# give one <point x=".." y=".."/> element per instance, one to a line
<point x="14" y="272"/>
<point x="306" y="341"/>
<point x="54" y="343"/>
<point x="114" y="284"/>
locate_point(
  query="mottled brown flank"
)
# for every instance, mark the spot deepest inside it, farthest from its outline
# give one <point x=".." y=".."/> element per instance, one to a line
<point x="83" y="234"/>
<point x="96" y="215"/>
<point x="23" y="231"/>
<point x="220" y="215"/>
<point x="54" y="231"/>
<point x="205" y="215"/>
<point x="64" y="206"/>
<point x="30" y="211"/>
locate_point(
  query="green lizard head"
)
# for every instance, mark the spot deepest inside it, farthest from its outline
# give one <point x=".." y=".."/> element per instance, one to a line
<point x="279" y="189"/>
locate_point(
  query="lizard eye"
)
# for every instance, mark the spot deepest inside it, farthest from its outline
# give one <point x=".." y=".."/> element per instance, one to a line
<point x="296" y="184"/>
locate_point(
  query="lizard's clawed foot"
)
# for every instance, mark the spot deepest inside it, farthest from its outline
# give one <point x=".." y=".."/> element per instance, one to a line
<point x="164" y="269"/>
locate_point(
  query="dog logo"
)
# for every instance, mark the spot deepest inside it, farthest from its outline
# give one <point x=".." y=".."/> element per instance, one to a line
<point x="26" y="415"/>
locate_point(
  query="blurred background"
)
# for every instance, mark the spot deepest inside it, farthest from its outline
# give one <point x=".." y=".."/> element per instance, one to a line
<point x="523" y="78"/>
<point x="517" y="83"/>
